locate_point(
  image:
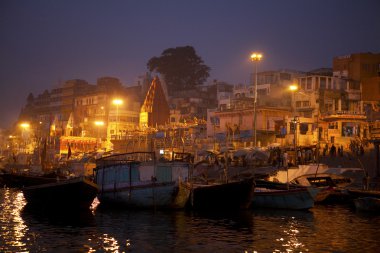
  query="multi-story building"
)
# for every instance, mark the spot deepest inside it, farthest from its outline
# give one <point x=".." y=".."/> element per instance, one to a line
<point x="334" y="104"/>
<point x="362" y="69"/>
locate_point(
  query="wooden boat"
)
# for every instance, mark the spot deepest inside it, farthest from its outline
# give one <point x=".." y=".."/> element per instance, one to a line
<point x="71" y="194"/>
<point x="223" y="195"/>
<point x="357" y="193"/>
<point x="16" y="180"/>
<point x="138" y="180"/>
<point x="368" y="204"/>
<point x="332" y="186"/>
<point x="282" y="196"/>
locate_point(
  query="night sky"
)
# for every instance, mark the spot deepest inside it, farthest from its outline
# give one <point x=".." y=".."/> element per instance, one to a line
<point x="44" y="43"/>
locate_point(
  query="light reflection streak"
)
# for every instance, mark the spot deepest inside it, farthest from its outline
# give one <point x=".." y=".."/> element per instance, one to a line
<point x="13" y="228"/>
<point x="108" y="244"/>
<point x="292" y="242"/>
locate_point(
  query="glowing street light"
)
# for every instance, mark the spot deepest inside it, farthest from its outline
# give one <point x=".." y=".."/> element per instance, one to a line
<point x="99" y="124"/>
<point x="25" y="125"/>
<point x="255" y="57"/>
<point x="117" y="102"/>
<point x="294" y="88"/>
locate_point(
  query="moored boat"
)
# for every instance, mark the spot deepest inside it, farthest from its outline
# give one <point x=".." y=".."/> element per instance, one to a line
<point x="223" y="195"/>
<point x="17" y="180"/>
<point x="283" y="196"/>
<point x="332" y="182"/>
<point x="138" y="180"/>
<point x="71" y="194"/>
<point x="368" y="204"/>
<point x="296" y="199"/>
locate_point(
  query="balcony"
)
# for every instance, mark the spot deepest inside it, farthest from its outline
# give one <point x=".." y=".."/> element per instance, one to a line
<point x="351" y="115"/>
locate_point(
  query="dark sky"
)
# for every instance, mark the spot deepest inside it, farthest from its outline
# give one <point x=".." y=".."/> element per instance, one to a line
<point x="43" y="43"/>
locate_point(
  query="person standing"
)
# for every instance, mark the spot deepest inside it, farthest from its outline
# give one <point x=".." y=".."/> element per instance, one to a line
<point x="285" y="159"/>
<point x="333" y="150"/>
<point x="325" y="149"/>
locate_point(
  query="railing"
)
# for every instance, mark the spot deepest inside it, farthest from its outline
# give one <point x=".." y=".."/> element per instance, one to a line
<point x="344" y="113"/>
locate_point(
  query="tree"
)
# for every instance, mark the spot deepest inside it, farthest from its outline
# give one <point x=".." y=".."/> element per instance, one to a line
<point x="181" y="68"/>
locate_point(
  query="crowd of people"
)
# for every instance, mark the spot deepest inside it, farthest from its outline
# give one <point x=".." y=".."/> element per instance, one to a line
<point x="280" y="157"/>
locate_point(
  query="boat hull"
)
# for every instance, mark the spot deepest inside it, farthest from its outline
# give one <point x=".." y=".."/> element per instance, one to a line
<point x="148" y="195"/>
<point x="13" y="180"/>
<point x="71" y="194"/>
<point x="296" y="199"/>
<point x="231" y="195"/>
<point x="367" y="204"/>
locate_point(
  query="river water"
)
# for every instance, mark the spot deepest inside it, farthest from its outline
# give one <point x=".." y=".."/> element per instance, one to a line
<point x="334" y="228"/>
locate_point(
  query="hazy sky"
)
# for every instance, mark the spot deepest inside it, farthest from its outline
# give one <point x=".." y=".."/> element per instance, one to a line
<point x="43" y="43"/>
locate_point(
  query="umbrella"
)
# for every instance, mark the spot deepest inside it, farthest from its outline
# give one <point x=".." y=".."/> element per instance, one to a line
<point x="207" y="152"/>
<point x="257" y="155"/>
<point x="241" y="152"/>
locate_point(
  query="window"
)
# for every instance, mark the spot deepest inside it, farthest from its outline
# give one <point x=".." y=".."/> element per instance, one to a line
<point x="303" y="83"/>
<point x="322" y="82"/>
<point x="365" y="67"/>
<point x="303" y="128"/>
<point x="309" y="82"/>
<point x="350" y="129"/>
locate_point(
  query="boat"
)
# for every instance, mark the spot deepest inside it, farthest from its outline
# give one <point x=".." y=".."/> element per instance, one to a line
<point x="367" y="204"/>
<point x="236" y="194"/>
<point x="283" y="196"/>
<point x="332" y="182"/>
<point x="17" y="180"/>
<point x="68" y="195"/>
<point x="332" y="187"/>
<point x="139" y="180"/>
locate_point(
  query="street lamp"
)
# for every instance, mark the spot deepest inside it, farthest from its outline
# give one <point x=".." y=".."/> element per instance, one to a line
<point x="255" y="57"/>
<point x="293" y="88"/>
<point x="25" y="135"/>
<point x="295" y="121"/>
<point x="117" y="102"/>
<point x="99" y="124"/>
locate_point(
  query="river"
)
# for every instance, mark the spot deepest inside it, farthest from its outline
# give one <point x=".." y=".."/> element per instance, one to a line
<point x="324" y="228"/>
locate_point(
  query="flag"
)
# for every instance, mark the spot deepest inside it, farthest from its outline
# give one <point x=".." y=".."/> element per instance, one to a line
<point x="69" y="150"/>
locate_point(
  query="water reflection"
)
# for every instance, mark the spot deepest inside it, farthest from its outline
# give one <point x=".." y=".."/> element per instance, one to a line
<point x="13" y="228"/>
<point x="322" y="229"/>
<point x="281" y="230"/>
<point x="105" y="243"/>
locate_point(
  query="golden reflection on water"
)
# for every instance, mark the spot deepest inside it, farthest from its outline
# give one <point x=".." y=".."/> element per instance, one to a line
<point x="108" y="244"/>
<point x="13" y="228"/>
<point x="290" y="242"/>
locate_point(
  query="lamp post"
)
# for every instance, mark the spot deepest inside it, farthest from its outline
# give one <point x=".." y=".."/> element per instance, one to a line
<point x="293" y="88"/>
<point x="117" y="102"/>
<point x="255" y="57"/>
<point x="99" y="124"/>
<point x="25" y="127"/>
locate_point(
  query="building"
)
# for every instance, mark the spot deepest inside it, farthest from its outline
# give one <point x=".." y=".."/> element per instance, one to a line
<point x="362" y="69"/>
<point x="334" y="104"/>
<point x="155" y="109"/>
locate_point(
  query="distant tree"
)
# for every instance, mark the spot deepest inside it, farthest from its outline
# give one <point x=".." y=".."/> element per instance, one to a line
<point x="181" y="68"/>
